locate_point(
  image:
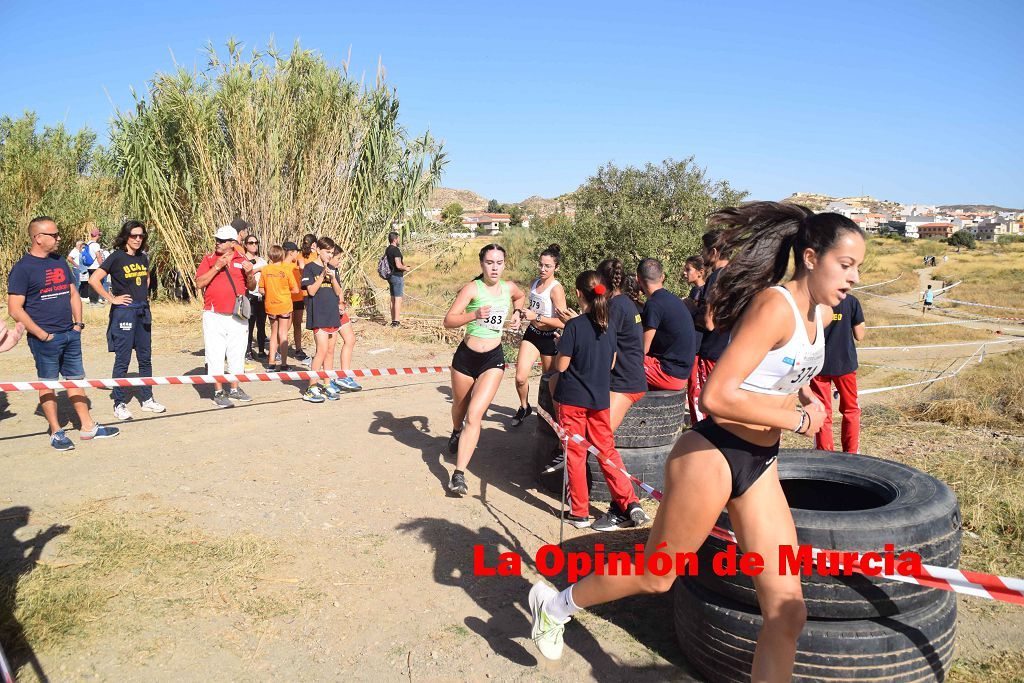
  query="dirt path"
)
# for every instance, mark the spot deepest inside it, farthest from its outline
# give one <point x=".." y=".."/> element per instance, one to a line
<point x="370" y="570"/>
<point x="373" y="560"/>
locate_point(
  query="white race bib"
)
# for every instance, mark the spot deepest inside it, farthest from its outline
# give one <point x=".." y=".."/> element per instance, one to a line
<point x="495" y="319"/>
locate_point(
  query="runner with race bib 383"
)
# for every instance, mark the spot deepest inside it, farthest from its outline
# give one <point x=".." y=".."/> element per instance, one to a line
<point x="484" y="306"/>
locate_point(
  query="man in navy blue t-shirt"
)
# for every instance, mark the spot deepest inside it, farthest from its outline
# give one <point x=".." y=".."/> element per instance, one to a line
<point x="840" y="368"/>
<point x="670" y="341"/>
<point x="43" y="296"/>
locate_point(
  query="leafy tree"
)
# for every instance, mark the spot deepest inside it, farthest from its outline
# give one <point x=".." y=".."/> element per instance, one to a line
<point x="515" y="213"/>
<point x="451" y="217"/>
<point x="54" y="173"/>
<point x="962" y="238"/>
<point x="494" y="207"/>
<point x="632" y="213"/>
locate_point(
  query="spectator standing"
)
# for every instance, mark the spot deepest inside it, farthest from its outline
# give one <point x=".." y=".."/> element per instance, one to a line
<point x="223" y="275"/>
<point x="131" y="324"/>
<point x="396" y="280"/>
<point x="258" y="319"/>
<point x="42" y="297"/>
<point x="92" y="261"/>
<point x="840" y="369"/>
<point x="712" y="342"/>
<point x="670" y="341"/>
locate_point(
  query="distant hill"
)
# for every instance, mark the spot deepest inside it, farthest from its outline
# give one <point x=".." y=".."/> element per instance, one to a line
<point x="818" y="202"/>
<point x="469" y="200"/>
<point x="971" y="208"/>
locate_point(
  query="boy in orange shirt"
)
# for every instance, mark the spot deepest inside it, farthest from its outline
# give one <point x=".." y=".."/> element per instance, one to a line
<point x="279" y="286"/>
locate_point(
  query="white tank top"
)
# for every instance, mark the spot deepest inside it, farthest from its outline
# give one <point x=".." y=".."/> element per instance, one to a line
<point x="540" y="302"/>
<point x="792" y="366"/>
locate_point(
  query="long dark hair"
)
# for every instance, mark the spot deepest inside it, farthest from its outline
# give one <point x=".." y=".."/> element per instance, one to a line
<point x="613" y="273"/>
<point x="121" y="240"/>
<point x="555" y="252"/>
<point x="483" y="252"/>
<point x="760" y="236"/>
<point x="307" y="244"/>
<point x="586" y="282"/>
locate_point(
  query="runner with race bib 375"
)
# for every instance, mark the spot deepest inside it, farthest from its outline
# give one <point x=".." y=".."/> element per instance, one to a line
<point x="484" y="306"/>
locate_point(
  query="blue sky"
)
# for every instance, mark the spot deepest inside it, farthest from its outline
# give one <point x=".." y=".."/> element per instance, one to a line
<point x="910" y="101"/>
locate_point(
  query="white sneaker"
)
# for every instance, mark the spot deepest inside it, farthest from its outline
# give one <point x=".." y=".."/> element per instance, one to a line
<point x="546" y="632"/>
<point x="121" y="412"/>
<point x="153" y="407"/>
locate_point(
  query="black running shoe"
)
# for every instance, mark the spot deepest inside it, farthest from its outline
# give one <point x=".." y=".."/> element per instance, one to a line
<point x="453" y="442"/>
<point x="458" y="484"/>
<point x="522" y="414"/>
<point x="637" y="514"/>
<point x="576" y="521"/>
<point x="556" y="464"/>
<point x="612" y="520"/>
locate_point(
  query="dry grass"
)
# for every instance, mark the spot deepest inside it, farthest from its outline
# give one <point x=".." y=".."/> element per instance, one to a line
<point x="1004" y="666"/>
<point x="109" y="568"/>
<point x="875" y="314"/>
<point x="992" y="275"/>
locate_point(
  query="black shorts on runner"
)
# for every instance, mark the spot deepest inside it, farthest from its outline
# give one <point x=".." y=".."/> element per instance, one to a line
<point x="474" y="363"/>
<point x="747" y="461"/>
<point x="544" y="340"/>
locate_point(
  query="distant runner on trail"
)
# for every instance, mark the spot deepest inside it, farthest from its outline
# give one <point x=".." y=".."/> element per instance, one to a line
<point x="929" y="299"/>
<point x="483" y="306"/>
<point x="547" y="297"/>
<point x="759" y="388"/>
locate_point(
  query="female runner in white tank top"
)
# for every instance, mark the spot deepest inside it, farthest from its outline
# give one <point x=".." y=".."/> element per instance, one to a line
<point x="759" y="388"/>
<point x="547" y="297"/>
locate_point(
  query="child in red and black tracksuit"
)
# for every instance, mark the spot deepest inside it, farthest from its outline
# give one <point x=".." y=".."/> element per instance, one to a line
<point x="841" y="369"/>
<point x="586" y="355"/>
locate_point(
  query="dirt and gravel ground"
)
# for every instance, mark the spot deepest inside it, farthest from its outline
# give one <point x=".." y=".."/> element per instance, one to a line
<point x="364" y="564"/>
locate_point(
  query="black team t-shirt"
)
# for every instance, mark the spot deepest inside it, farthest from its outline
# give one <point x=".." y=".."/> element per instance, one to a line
<point x="713" y="342"/>
<point x="587" y="382"/>
<point x="675" y="341"/>
<point x="128" y="275"/>
<point x="840" y="352"/>
<point x="322" y="307"/>
<point x="46" y="285"/>
<point x="393" y="252"/>
<point x="628" y="374"/>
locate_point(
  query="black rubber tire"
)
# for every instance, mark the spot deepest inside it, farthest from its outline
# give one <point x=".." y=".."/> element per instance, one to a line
<point x="911" y="510"/>
<point x="718" y="636"/>
<point x="654" y="420"/>
<point x="646" y="464"/>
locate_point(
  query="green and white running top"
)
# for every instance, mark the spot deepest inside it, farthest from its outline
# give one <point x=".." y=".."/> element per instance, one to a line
<point x="491" y="326"/>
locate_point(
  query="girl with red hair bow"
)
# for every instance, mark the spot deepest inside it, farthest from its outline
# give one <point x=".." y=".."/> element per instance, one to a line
<point x="586" y="355"/>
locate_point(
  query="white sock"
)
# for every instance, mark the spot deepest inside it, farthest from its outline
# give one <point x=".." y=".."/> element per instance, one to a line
<point x="560" y="607"/>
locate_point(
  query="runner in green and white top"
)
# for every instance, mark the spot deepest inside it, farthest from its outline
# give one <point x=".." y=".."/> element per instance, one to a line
<point x="484" y="306"/>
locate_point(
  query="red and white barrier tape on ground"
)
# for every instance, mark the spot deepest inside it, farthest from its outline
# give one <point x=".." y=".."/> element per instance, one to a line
<point x="989" y="586"/>
<point x="211" y="379"/>
<point x="6" y="676"/>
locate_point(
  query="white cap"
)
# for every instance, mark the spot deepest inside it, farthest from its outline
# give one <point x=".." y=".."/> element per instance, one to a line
<point x="226" y="232"/>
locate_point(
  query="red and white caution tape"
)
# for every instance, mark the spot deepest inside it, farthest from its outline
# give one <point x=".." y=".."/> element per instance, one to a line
<point x="990" y="586"/>
<point x="6" y="675"/>
<point x="971" y="303"/>
<point x="980" y="342"/>
<point x="211" y="379"/>
<point x="877" y="284"/>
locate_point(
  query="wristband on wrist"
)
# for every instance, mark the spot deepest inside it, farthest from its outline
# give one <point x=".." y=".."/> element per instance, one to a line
<point x="804" y="421"/>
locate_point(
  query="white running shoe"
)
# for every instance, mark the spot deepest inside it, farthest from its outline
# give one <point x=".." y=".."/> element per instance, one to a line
<point x="121" y="412"/>
<point x="153" y="407"/>
<point x="546" y="632"/>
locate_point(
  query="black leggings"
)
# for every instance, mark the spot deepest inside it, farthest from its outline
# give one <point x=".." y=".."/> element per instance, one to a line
<point x="257" y="321"/>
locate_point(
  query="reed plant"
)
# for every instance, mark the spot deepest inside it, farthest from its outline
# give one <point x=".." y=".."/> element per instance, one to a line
<point x="287" y="142"/>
